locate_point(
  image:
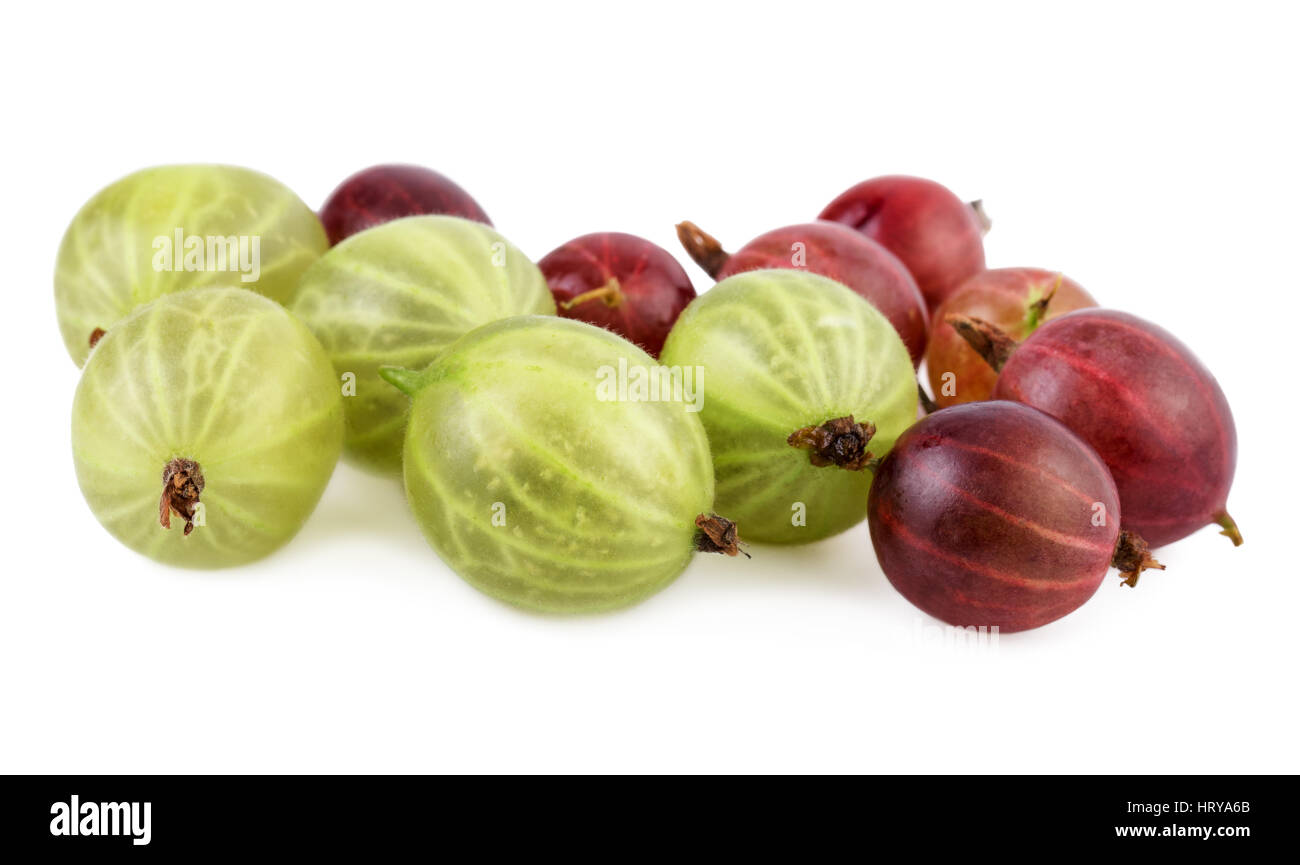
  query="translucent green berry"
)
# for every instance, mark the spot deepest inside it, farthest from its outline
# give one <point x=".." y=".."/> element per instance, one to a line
<point x="176" y="227"/>
<point x="205" y="427"/>
<point x="805" y="385"/>
<point x="541" y="482"/>
<point x="399" y="294"/>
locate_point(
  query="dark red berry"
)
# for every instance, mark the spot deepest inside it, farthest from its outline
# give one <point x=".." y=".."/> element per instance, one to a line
<point x="383" y="193"/>
<point x="620" y="282"/>
<point x="1152" y="411"/>
<point x="993" y="514"/>
<point x="939" y="237"/>
<point x="831" y="250"/>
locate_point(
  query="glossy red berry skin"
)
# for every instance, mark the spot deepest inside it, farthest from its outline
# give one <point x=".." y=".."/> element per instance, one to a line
<point x="986" y="515"/>
<point x="383" y="193"/>
<point x="1147" y="405"/>
<point x="934" y="233"/>
<point x="1005" y="297"/>
<point x="644" y="287"/>
<point x="850" y="258"/>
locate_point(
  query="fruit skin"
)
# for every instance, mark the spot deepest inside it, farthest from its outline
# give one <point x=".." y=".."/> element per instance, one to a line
<point x="1006" y="297"/>
<point x="382" y="193"/>
<point x="782" y="350"/>
<point x="649" y="288"/>
<point x="939" y="237"/>
<point x="850" y="258"/>
<point x="1152" y="411"/>
<point x="224" y="377"/>
<point x="599" y="497"/>
<point x="106" y="261"/>
<point x="399" y="294"/>
<point x="982" y="515"/>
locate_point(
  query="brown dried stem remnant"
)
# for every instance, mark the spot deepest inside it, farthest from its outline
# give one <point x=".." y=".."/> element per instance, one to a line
<point x="989" y="341"/>
<point x="703" y="247"/>
<point x="981" y="216"/>
<point x="1132" y="557"/>
<point x="839" y="442"/>
<point x="95" y="336"/>
<point x="182" y="485"/>
<point x="717" y="535"/>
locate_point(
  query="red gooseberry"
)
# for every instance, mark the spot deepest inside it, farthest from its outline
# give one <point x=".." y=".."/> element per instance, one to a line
<point x="383" y="193"/>
<point x="939" y="237"/>
<point x="995" y="515"/>
<point x="620" y="282"/>
<point x="1140" y="397"/>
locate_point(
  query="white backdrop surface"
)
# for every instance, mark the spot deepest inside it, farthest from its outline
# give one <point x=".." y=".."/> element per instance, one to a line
<point x="1148" y="151"/>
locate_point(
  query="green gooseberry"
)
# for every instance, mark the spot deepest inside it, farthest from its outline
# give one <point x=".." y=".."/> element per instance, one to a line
<point x="801" y="375"/>
<point x="397" y="295"/>
<point x="542" y="483"/>
<point x="205" y="427"/>
<point x="176" y="227"/>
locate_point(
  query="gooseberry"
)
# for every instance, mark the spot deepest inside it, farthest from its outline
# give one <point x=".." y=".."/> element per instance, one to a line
<point x="1140" y="397"/>
<point x="399" y="294"/>
<point x="619" y="282"/>
<point x="382" y="193"/>
<point x="934" y="233"/>
<point x="801" y="375"/>
<point x="832" y="250"/>
<point x="215" y="409"/>
<point x="175" y="227"/>
<point x="1017" y="300"/>
<point x="546" y="478"/>
<point x="993" y="514"/>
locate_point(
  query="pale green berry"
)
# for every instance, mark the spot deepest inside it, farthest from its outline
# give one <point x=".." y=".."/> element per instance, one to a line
<point x="217" y="384"/>
<point x="398" y="294"/>
<point x="785" y="351"/>
<point x="539" y="482"/>
<point x="176" y="227"/>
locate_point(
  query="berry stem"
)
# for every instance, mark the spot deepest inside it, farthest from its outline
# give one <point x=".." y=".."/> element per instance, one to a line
<point x="611" y="293"/>
<point x="1229" y="526"/>
<point x="408" y="381"/>
<point x="839" y="442"/>
<point x="1132" y="557"/>
<point x="981" y="216"/>
<point x="989" y="341"/>
<point x="1037" y="310"/>
<point x="182" y="481"/>
<point x="703" y="247"/>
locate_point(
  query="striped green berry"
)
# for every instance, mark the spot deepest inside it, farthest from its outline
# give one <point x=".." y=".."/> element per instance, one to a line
<point x="205" y="428"/>
<point x="176" y="227"/>
<point x="398" y="295"/>
<point x="542" y="484"/>
<point x="797" y="371"/>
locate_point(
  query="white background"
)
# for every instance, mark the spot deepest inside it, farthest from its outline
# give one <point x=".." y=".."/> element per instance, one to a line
<point x="1147" y="151"/>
